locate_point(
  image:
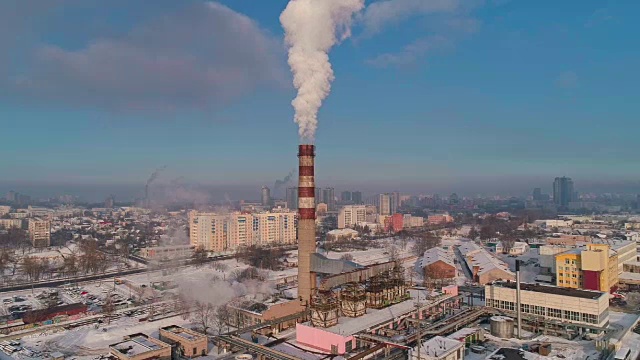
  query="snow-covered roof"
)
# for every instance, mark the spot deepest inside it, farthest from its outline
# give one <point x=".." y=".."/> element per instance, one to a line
<point x="439" y="347"/>
<point x="437" y="254"/>
<point x="476" y="256"/>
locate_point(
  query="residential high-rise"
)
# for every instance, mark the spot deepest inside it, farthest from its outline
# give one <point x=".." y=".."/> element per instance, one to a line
<point x="394" y="202"/>
<point x="266" y="196"/>
<point x="352" y="215"/>
<point x="109" y="202"/>
<point x="40" y="232"/>
<point x="292" y="198"/>
<point x="345" y="196"/>
<point x="563" y="191"/>
<point x="227" y="232"/>
<point x="11" y="196"/>
<point x="356" y="197"/>
<point x="328" y="195"/>
<point x="537" y="194"/>
<point x="384" y="204"/>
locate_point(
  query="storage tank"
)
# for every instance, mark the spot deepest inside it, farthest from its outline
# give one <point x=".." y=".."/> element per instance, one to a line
<point x="502" y="327"/>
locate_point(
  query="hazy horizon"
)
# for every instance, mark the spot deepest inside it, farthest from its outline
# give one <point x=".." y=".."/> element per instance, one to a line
<point x="472" y="97"/>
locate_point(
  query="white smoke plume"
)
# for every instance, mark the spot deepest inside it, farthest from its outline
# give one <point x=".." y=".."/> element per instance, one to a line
<point x="312" y="28"/>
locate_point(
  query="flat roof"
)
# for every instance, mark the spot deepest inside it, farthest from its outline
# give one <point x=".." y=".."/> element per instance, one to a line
<point x="136" y="345"/>
<point x="182" y="332"/>
<point x="439" y="346"/>
<point x="553" y="290"/>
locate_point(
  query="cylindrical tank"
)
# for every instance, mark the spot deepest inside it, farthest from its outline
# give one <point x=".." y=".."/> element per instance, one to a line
<point x="244" y="357"/>
<point x="502" y="327"/>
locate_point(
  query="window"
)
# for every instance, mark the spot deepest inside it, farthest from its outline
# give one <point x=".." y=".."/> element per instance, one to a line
<point x="195" y="351"/>
<point x="348" y="346"/>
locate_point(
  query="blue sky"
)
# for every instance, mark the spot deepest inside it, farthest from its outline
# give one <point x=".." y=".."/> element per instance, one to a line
<point x="480" y="93"/>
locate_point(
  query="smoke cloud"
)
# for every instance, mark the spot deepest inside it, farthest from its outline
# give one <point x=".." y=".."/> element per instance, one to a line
<point x="155" y="175"/>
<point x="312" y="28"/>
<point x="280" y="183"/>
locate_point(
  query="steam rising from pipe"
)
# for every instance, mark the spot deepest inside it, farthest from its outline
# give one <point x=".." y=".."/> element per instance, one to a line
<point x="155" y="175"/>
<point x="152" y="178"/>
<point x="312" y="28"/>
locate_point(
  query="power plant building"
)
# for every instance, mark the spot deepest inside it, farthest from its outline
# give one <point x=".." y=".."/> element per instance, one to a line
<point x="227" y="232"/>
<point x="548" y="306"/>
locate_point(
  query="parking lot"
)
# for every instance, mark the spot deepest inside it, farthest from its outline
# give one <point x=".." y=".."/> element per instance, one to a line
<point x="96" y="295"/>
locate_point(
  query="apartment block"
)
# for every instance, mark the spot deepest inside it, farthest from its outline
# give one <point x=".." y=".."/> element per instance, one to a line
<point x="40" y="232"/>
<point x="351" y="215"/>
<point x="593" y="267"/>
<point x="227" y="232"/>
<point x="10" y="223"/>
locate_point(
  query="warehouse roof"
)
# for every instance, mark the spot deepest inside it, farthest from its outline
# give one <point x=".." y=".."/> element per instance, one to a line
<point x="437" y="254"/>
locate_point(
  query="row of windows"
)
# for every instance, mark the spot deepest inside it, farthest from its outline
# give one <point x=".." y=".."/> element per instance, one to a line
<point x="544" y="311"/>
<point x="572" y="275"/>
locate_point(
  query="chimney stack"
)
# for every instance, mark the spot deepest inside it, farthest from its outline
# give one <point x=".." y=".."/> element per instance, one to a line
<point x="306" y="221"/>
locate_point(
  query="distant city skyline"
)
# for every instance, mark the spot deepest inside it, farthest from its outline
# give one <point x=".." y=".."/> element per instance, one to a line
<point x="483" y="97"/>
<point x="222" y="193"/>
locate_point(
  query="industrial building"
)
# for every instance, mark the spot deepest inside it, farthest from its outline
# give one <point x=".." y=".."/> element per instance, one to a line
<point x="483" y="266"/>
<point x="438" y="348"/>
<point x="518" y="248"/>
<point x="438" y="265"/>
<point x="359" y="318"/>
<point x="140" y="347"/>
<point x="187" y="343"/>
<point x="227" y="232"/>
<point x="439" y="219"/>
<point x="40" y="232"/>
<point x="169" y="252"/>
<point x="551" y="309"/>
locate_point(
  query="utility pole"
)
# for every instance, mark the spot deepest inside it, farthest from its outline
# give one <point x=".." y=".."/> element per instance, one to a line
<point x="519" y="310"/>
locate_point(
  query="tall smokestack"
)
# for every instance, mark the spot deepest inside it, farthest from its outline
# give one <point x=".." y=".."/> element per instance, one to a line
<point x="306" y="220"/>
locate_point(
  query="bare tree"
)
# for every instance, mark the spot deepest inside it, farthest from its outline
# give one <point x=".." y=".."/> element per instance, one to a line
<point x="199" y="256"/>
<point x="203" y="315"/>
<point x="507" y="241"/>
<point x="31" y="267"/>
<point x="473" y="233"/>
<point x="394" y="254"/>
<point x="6" y="259"/>
<point x="70" y="264"/>
<point x="633" y="299"/>
<point x="109" y="307"/>
<point x="425" y="242"/>
<point x="221" y="319"/>
<point x="346" y="256"/>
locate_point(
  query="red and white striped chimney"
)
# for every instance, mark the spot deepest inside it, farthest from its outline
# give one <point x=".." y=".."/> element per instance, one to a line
<point x="306" y="221"/>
